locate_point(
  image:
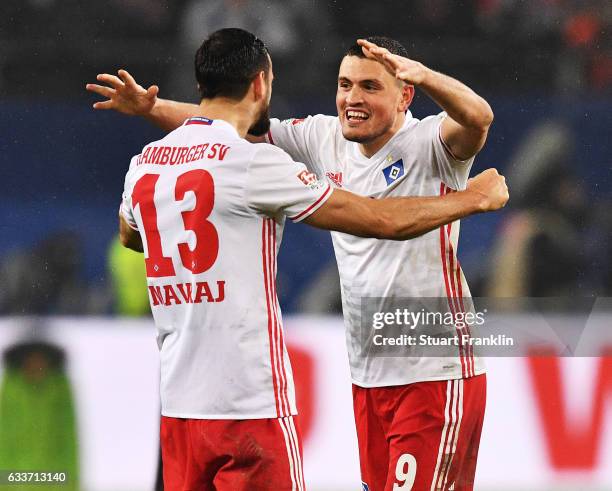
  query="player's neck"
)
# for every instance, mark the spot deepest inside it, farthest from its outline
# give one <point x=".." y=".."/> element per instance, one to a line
<point x="373" y="146"/>
<point x="233" y="112"/>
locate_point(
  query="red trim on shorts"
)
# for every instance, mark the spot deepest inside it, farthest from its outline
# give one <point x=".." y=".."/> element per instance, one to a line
<point x="299" y="215"/>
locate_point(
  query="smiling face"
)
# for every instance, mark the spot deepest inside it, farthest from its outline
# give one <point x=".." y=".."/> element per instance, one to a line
<point x="371" y="102"/>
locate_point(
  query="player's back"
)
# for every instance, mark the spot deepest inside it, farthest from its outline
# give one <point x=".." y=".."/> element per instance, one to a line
<point x="211" y="230"/>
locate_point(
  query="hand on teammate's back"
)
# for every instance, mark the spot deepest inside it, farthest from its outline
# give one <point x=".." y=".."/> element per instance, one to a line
<point x="491" y="186"/>
<point x="124" y="94"/>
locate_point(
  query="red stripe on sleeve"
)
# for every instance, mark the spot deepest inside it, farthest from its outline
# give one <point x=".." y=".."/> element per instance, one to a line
<point x="307" y="210"/>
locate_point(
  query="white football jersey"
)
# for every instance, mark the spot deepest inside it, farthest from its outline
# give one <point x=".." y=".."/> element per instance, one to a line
<point x="414" y="162"/>
<point x="210" y="208"/>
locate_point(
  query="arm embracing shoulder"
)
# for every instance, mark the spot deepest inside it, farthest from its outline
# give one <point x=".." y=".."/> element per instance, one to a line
<point x="392" y="218"/>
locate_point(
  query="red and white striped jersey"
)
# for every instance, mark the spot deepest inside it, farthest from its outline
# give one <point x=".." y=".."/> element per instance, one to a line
<point x="414" y="162"/>
<point x="210" y="208"/>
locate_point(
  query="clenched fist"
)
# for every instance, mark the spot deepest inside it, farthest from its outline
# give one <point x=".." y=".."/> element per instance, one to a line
<point x="491" y="189"/>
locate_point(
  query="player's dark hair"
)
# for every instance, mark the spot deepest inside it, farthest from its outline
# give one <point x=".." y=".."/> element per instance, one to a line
<point x="394" y="47"/>
<point x="228" y="61"/>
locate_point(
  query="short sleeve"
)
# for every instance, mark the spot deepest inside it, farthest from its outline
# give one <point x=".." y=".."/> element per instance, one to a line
<point x="453" y="172"/>
<point x="276" y="184"/>
<point x="302" y="138"/>
<point x="125" y="209"/>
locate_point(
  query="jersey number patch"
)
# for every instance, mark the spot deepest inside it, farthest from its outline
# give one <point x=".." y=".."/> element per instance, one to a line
<point x="204" y="255"/>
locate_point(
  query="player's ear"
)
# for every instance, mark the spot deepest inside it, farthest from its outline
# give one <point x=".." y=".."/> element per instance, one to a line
<point x="407" y="96"/>
<point x="259" y="85"/>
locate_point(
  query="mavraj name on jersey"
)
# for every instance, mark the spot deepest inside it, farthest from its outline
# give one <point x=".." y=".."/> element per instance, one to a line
<point x="176" y="294"/>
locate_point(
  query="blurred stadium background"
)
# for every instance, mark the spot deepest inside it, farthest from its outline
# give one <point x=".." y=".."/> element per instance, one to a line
<point x="79" y="368"/>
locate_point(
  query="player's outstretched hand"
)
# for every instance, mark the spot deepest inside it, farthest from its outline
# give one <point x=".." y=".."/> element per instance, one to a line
<point x="410" y="71"/>
<point x="492" y="189"/>
<point x="124" y="94"/>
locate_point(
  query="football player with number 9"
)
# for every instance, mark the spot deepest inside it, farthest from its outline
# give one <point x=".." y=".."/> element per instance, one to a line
<point x="208" y="209"/>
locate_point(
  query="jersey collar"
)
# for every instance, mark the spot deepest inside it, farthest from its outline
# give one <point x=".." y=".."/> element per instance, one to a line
<point x="198" y="120"/>
<point x="217" y="123"/>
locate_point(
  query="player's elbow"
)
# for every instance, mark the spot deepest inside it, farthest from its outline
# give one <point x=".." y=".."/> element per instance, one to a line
<point x="124" y="239"/>
<point x="479" y="117"/>
<point x="485" y="117"/>
<point x="130" y="240"/>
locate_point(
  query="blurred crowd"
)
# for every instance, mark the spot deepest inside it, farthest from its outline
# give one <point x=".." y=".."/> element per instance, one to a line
<point x="554" y="239"/>
<point x="51" y="46"/>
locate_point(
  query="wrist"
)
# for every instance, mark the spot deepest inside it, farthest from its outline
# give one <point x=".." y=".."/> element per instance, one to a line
<point x="425" y="78"/>
<point x="475" y="201"/>
<point x="155" y="109"/>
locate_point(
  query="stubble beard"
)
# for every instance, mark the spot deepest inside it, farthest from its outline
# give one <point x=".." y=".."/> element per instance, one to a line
<point x="262" y="124"/>
<point x="369" y="137"/>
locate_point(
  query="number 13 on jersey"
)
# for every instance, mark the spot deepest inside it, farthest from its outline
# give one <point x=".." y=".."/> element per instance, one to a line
<point x="206" y="249"/>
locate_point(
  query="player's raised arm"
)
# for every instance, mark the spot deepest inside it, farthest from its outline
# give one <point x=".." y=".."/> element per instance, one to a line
<point x="125" y="95"/>
<point x="407" y="218"/>
<point x="470" y="116"/>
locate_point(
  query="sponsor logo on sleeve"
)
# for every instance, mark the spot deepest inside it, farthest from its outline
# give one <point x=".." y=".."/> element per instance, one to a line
<point x="307" y="178"/>
<point x="292" y="121"/>
<point x="311" y="180"/>
<point x="335" y="177"/>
